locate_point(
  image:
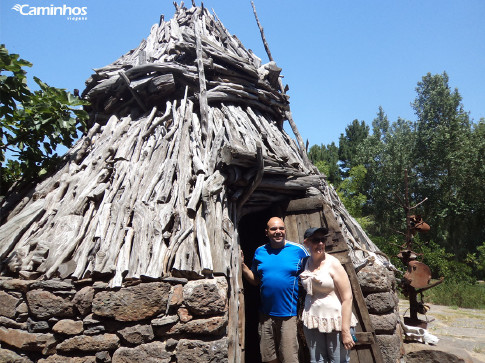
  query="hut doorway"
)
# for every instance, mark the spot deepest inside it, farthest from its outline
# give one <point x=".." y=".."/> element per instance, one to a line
<point x="251" y="235"/>
<point x="300" y="214"/>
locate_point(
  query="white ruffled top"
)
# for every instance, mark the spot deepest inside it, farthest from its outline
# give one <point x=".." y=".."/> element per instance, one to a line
<point x="323" y="309"/>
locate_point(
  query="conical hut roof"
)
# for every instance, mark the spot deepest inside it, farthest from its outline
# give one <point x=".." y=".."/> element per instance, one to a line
<point x="186" y="136"/>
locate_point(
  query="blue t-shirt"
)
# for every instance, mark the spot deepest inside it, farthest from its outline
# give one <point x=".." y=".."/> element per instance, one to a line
<point x="278" y="269"/>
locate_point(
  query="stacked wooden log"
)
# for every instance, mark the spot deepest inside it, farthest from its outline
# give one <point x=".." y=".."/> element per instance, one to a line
<point x="157" y="187"/>
<point x="191" y="50"/>
<point x="186" y="137"/>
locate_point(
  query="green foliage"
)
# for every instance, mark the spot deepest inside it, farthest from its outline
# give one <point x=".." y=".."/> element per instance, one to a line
<point x="390" y="246"/>
<point x="463" y="295"/>
<point x="481" y="260"/>
<point x="459" y="287"/>
<point x="380" y="125"/>
<point x="477" y="261"/>
<point x="365" y="222"/>
<point x="326" y="158"/>
<point x="33" y="124"/>
<point x="385" y="156"/>
<point x="443" y="151"/>
<point x="13" y="88"/>
<point x="349" y="191"/>
<point x="443" y="263"/>
<point x="355" y="133"/>
<point x="323" y="167"/>
<point x="444" y="154"/>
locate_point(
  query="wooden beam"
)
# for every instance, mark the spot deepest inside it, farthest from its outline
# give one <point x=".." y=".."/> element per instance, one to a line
<point x="256" y="180"/>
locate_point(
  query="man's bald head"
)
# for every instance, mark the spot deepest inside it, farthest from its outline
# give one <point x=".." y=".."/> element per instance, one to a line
<point x="275" y="231"/>
<point x="274" y="220"/>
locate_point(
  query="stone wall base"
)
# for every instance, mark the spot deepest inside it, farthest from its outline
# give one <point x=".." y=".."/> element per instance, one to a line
<point x="85" y="321"/>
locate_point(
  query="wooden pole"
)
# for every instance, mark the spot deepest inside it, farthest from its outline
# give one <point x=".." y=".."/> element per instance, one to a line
<point x="288" y="115"/>
<point x="266" y="47"/>
<point x="204" y="107"/>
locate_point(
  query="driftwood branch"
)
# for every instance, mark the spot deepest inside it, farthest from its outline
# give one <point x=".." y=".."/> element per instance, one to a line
<point x="266" y="47"/>
<point x="417" y="205"/>
<point x="256" y="181"/>
<point x="298" y="139"/>
<point x="133" y="92"/>
<point x="288" y="115"/>
<point x="204" y="110"/>
<point x="144" y="193"/>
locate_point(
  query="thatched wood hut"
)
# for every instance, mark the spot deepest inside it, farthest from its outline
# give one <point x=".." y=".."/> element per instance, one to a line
<point x="184" y="161"/>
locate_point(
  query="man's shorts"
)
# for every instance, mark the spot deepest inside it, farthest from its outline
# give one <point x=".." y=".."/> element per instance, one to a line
<point x="278" y="338"/>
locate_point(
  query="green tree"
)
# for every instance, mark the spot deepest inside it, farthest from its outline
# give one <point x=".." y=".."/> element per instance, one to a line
<point x="355" y="134"/>
<point x="442" y="153"/>
<point x="322" y="167"/>
<point x="33" y="124"/>
<point x="481" y="261"/>
<point x="380" y="125"/>
<point x="385" y="154"/>
<point x="474" y="190"/>
<point x="325" y="159"/>
<point x="350" y="189"/>
<point x="444" y="264"/>
<point x="316" y="153"/>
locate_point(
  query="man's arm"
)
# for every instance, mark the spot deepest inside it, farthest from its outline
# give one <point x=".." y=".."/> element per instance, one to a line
<point x="248" y="275"/>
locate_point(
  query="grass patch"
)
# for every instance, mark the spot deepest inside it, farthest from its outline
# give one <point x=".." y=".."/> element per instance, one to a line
<point x="456" y="294"/>
<point x="478" y="349"/>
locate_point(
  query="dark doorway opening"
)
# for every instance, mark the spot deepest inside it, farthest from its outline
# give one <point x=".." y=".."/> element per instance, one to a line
<point x="251" y="235"/>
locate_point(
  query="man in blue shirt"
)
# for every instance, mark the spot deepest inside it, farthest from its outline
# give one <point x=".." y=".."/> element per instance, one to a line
<point x="275" y="269"/>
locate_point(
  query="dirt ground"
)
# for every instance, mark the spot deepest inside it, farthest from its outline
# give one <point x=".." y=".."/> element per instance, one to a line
<point x="457" y="329"/>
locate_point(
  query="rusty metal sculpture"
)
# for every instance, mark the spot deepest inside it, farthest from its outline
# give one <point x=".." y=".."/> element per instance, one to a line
<point x="417" y="277"/>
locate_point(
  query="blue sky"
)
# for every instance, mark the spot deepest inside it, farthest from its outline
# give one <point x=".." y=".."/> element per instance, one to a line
<point x="341" y="59"/>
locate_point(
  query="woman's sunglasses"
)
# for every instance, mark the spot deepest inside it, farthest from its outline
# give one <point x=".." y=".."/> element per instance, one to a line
<point x="318" y="239"/>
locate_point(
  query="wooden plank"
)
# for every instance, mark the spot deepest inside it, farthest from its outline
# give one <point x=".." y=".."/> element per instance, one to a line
<point x="364" y="317"/>
<point x="203" y="243"/>
<point x="332" y="223"/>
<point x="337" y="245"/>
<point x="304" y="204"/>
<point x="354" y="357"/>
<point x="364" y="354"/>
<point x="358" y="298"/>
<point x="364" y="338"/>
<point x="291" y="228"/>
<point x="302" y="226"/>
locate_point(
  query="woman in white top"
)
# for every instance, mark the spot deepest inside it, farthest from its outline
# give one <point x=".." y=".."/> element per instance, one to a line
<point x="327" y="316"/>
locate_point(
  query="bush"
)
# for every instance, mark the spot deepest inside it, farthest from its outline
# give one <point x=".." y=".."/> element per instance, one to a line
<point x="444" y="264"/>
<point x="463" y="295"/>
<point x="459" y="287"/>
<point x="477" y="261"/>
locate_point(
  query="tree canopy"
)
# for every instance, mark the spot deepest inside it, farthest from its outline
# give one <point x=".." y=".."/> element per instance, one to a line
<point x="33" y="123"/>
<point x="444" y="153"/>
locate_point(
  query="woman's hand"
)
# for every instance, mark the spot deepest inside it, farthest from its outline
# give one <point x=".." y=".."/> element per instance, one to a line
<point x="347" y="340"/>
